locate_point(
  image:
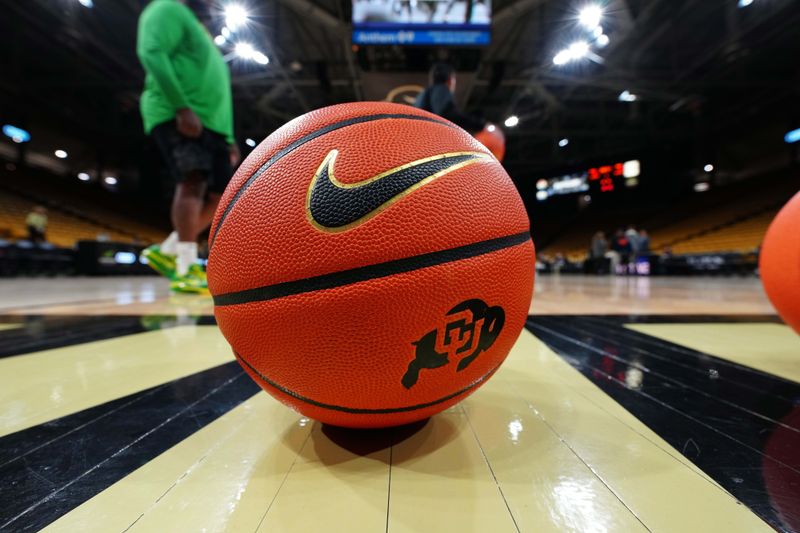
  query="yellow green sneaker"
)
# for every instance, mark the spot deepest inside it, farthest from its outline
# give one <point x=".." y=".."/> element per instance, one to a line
<point x="162" y="263"/>
<point x="193" y="282"/>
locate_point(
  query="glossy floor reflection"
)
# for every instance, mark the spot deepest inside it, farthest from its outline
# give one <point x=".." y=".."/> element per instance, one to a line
<point x="568" y="294"/>
<point x="594" y="423"/>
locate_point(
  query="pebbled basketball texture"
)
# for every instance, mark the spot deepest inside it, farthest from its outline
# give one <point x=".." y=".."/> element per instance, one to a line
<point x="370" y="264"/>
<point x="779" y="263"/>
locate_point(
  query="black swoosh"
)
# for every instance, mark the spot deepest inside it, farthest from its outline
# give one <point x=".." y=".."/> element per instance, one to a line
<point x="280" y="154"/>
<point x="333" y="205"/>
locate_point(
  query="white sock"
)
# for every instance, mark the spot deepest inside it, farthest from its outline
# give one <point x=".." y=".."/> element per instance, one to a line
<point x="186" y="256"/>
<point x="168" y="246"/>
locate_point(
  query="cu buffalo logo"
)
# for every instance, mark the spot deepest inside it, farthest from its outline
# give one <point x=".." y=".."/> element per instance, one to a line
<point x="468" y="329"/>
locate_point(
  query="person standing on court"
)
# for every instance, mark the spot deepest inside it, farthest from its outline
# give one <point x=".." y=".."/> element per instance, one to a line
<point x="438" y="99"/>
<point x="187" y="109"/>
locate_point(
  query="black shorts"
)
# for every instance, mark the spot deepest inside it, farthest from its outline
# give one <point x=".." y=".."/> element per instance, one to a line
<point x="209" y="154"/>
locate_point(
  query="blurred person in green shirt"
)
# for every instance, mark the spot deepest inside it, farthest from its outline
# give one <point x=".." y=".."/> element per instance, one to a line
<point x="36" y="221"/>
<point x="187" y="109"/>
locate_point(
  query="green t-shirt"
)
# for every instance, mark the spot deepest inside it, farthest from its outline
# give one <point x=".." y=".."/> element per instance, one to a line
<point x="184" y="69"/>
<point x="37" y="220"/>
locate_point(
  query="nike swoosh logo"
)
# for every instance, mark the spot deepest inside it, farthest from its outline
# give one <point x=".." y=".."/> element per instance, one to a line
<point x="335" y="206"/>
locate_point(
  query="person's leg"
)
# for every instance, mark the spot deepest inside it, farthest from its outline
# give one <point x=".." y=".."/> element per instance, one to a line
<point x="207" y="213"/>
<point x="187" y="207"/>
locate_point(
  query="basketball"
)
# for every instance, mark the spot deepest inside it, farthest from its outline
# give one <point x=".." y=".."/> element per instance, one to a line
<point x="493" y="139"/>
<point x="780" y="263"/>
<point x="370" y="264"/>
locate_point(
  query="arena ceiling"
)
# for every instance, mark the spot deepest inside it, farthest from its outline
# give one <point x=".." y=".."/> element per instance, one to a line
<point x="700" y="69"/>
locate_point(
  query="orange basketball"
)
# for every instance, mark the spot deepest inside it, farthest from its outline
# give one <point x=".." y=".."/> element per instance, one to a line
<point x="371" y="264"/>
<point x="780" y="262"/>
<point x="493" y="138"/>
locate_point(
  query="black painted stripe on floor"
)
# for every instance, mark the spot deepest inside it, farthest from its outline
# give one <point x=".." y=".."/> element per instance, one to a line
<point x="50" y="469"/>
<point x="46" y="332"/>
<point x="379" y="270"/>
<point x="753" y="389"/>
<point x="753" y="459"/>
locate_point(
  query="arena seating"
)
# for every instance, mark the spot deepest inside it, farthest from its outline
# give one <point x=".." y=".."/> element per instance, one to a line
<point x="728" y="219"/>
<point x="68" y="226"/>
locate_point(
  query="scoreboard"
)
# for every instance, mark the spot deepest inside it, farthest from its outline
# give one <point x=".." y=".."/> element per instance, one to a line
<point x="599" y="179"/>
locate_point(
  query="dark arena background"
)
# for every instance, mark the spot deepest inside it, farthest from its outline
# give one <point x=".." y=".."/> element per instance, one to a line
<point x="655" y="385"/>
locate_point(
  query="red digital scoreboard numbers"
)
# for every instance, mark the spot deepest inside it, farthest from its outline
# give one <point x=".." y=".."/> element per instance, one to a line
<point x="604" y="175"/>
<point x="602" y="178"/>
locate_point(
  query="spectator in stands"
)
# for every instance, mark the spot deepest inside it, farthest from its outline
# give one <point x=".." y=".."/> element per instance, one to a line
<point x="559" y="261"/>
<point x="37" y="224"/>
<point x="599" y="245"/>
<point x="438" y="99"/>
<point x="643" y="247"/>
<point x="597" y="252"/>
<point x="622" y="248"/>
<point x="187" y="109"/>
<point x="633" y="238"/>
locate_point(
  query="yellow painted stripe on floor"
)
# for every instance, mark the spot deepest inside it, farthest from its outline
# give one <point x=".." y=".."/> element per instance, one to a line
<point x="221" y="478"/>
<point x="41" y="386"/>
<point x="4" y="327"/>
<point x="331" y="489"/>
<point x="660" y="486"/>
<point x="547" y="486"/>
<point x="565" y="456"/>
<point x="441" y="482"/>
<point x="773" y="348"/>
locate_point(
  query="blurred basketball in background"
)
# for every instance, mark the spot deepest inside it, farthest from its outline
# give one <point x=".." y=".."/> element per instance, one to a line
<point x="371" y="264"/>
<point x="780" y="262"/>
<point x="493" y="139"/>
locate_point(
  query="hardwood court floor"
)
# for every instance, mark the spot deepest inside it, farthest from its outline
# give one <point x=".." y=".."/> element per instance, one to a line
<point x="626" y="405"/>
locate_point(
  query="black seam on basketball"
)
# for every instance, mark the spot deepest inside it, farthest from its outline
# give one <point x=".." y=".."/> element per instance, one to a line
<point x="360" y="411"/>
<point x="301" y="141"/>
<point x="380" y="270"/>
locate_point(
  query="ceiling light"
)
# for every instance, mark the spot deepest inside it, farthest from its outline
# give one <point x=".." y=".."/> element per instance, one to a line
<point x="602" y="40"/>
<point x="702" y="186"/>
<point x="511" y="121"/>
<point x="61" y="154"/>
<point x="792" y="136"/>
<point x="541" y="195"/>
<point x="491" y="127"/>
<point x="219" y="40"/>
<point x="235" y="16"/>
<point x="562" y="57"/>
<point x="578" y="49"/>
<point x="250" y="142"/>
<point x="590" y="16"/>
<point x="563" y="142"/>
<point x="627" y="96"/>
<point x="83" y="176"/>
<point x="260" y="58"/>
<point x="18" y="135"/>
<point x="709" y="167"/>
<point x="745" y="3"/>
<point x="244" y="50"/>
<point x="225" y="32"/>
<point x="86" y="3"/>
<point x="111" y="180"/>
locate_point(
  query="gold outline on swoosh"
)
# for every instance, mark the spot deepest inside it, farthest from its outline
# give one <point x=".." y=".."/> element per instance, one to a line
<point x="329" y="163"/>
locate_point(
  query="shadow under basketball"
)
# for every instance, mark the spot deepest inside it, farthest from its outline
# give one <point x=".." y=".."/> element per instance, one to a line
<point x="367" y="441"/>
